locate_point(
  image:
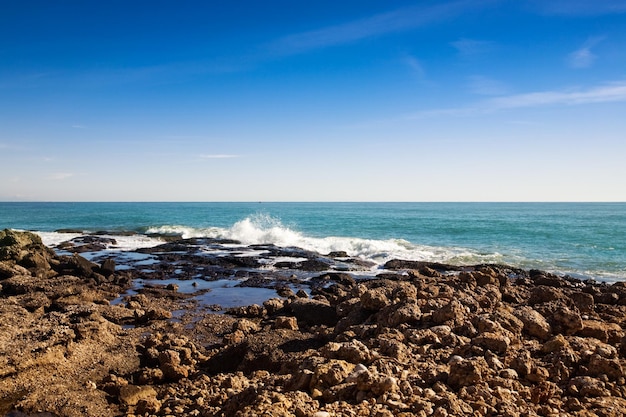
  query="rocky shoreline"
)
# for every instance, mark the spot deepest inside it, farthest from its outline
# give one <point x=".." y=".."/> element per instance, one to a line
<point x="79" y="337"/>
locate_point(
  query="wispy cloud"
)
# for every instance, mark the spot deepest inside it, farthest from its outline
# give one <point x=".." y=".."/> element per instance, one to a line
<point x="59" y="176"/>
<point x="218" y="156"/>
<point x="416" y="66"/>
<point x="601" y="94"/>
<point x="376" y="25"/>
<point x="472" y="47"/>
<point x="79" y="127"/>
<point x="606" y="93"/>
<point x="583" y="57"/>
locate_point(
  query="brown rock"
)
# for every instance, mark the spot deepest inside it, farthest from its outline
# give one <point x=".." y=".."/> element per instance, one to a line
<point x="465" y="372"/>
<point x="132" y="394"/>
<point x="374" y="299"/>
<point x="148" y="406"/>
<point x="289" y="323"/>
<point x="567" y="320"/>
<point x="612" y="368"/>
<point x="544" y="294"/>
<point x="586" y="386"/>
<point x="408" y="312"/>
<point x="555" y="344"/>
<point x="330" y="373"/>
<point x="601" y="330"/>
<point x="534" y="323"/>
<point x="314" y="311"/>
<point x="494" y="342"/>
<point x="452" y="311"/>
<point x="583" y="301"/>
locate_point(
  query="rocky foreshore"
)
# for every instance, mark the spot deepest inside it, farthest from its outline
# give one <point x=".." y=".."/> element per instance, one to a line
<point x="418" y="339"/>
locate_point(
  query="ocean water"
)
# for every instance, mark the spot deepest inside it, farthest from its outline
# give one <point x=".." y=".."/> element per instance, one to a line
<point x="584" y="240"/>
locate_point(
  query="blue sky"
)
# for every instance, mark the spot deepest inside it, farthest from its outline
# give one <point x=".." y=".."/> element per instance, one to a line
<point x="313" y="101"/>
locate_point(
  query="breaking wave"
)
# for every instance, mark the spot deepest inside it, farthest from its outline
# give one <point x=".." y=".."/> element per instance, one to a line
<point x="263" y="229"/>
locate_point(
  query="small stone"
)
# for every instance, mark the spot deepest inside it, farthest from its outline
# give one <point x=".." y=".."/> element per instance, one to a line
<point x="509" y="374"/>
<point x="555" y="344"/>
<point x="492" y="341"/>
<point x="148" y="406"/>
<point x="246" y="326"/>
<point x="289" y="323"/>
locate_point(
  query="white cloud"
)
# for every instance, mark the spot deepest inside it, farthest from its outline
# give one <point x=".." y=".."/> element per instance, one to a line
<point x="379" y="24"/>
<point x="583" y="57"/>
<point x="612" y="92"/>
<point x="79" y="127"/>
<point x="59" y="176"/>
<point x="606" y="93"/>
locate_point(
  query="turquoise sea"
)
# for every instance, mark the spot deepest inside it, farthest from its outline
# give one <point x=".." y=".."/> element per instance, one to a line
<point x="585" y="240"/>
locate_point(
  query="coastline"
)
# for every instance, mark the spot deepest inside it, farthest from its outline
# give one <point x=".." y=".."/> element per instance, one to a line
<point x="413" y="338"/>
<point x="580" y="239"/>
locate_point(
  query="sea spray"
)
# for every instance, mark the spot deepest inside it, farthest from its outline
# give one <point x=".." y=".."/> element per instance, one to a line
<point x="584" y="240"/>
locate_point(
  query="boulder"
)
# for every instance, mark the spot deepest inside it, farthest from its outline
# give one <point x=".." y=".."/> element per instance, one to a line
<point x="534" y="323"/>
<point x="313" y="312"/>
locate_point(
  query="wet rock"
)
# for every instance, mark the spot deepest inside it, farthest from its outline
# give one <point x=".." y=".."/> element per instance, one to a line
<point x="314" y="265"/>
<point x="107" y="268"/>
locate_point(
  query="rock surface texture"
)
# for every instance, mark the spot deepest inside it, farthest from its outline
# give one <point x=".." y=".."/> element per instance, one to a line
<point x="420" y="339"/>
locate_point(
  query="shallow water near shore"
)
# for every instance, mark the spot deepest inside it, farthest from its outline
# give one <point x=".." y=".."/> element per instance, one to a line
<point x="584" y="240"/>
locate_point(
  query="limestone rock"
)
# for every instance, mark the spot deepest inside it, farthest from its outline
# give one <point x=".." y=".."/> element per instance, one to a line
<point x="132" y="394"/>
<point x="534" y="323"/>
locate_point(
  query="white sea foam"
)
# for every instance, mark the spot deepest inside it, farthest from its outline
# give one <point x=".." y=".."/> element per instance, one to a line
<point x="123" y="243"/>
<point x="268" y="230"/>
<point x="54" y="238"/>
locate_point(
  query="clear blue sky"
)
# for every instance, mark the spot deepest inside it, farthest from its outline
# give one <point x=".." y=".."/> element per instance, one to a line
<point x="313" y="100"/>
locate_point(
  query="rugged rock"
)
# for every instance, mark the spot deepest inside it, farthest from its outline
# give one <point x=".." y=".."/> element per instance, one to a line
<point x="421" y="339"/>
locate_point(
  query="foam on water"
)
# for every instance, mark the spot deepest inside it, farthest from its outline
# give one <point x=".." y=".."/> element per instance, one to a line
<point x="263" y="229"/>
<point x="124" y="243"/>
